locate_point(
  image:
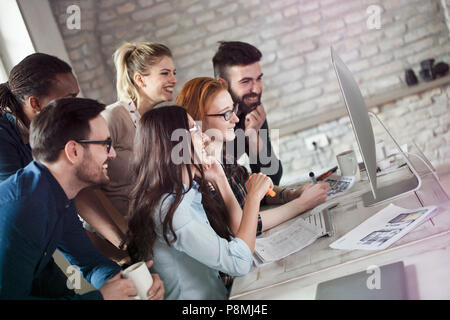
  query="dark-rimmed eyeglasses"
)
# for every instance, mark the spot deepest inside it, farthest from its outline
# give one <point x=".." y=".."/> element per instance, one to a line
<point x="107" y="142"/>
<point x="226" y="115"/>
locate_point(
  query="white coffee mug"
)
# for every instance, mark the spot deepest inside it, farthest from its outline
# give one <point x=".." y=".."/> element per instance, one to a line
<point x="141" y="277"/>
<point x="348" y="165"/>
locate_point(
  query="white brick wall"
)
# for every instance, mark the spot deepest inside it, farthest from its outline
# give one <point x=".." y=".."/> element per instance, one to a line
<point x="294" y="36"/>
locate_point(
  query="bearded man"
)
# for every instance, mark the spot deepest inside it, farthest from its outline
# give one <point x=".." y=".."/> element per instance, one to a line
<point x="237" y="64"/>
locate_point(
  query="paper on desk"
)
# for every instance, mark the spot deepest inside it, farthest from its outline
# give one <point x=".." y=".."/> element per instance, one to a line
<point x="384" y="228"/>
<point x="285" y="242"/>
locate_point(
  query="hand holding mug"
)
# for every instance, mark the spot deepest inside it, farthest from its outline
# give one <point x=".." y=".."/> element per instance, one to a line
<point x="148" y="286"/>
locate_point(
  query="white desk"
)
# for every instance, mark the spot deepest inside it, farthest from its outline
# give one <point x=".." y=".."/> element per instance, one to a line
<point x="425" y="251"/>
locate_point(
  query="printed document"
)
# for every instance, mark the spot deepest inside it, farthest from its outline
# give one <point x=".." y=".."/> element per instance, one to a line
<point x="384" y="228"/>
<point x="285" y="242"/>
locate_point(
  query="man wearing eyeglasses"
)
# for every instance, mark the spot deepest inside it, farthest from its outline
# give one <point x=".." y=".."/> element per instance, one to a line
<point x="237" y="64"/>
<point x="71" y="147"/>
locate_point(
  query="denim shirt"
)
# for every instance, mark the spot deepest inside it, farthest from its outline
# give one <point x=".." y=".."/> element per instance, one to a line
<point x="190" y="267"/>
<point x="14" y="153"/>
<point x="36" y="218"/>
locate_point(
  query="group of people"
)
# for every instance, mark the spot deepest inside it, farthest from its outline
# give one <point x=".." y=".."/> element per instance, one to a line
<point x="112" y="185"/>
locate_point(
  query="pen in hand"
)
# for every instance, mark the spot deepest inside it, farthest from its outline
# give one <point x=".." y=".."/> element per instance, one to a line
<point x="325" y="175"/>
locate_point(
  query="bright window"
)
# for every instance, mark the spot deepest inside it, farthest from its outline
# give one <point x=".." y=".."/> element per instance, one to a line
<point x="15" y="42"/>
<point x="3" y="73"/>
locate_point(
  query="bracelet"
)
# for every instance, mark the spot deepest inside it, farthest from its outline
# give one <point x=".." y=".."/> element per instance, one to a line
<point x="259" y="226"/>
<point x="121" y="244"/>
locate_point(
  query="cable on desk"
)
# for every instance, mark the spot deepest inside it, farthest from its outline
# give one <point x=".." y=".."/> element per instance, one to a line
<point x="431" y="170"/>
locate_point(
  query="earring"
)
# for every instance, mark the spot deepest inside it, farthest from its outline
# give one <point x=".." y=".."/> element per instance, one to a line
<point x="35" y="106"/>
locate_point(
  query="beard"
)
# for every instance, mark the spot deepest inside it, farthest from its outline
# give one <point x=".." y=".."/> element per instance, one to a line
<point x="91" y="173"/>
<point x="243" y="106"/>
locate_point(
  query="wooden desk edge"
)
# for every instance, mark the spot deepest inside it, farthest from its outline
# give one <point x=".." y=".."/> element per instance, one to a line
<point x="376" y="253"/>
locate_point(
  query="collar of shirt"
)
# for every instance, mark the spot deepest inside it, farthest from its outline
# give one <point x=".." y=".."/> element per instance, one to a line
<point x="194" y="193"/>
<point x="195" y="186"/>
<point x="134" y="113"/>
<point x="19" y="126"/>
<point x="56" y="188"/>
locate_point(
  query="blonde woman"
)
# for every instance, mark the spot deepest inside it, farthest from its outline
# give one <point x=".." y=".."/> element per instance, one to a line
<point x="146" y="76"/>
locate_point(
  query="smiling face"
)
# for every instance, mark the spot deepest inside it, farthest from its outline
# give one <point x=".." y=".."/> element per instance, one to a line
<point x="217" y="104"/>
<point x="158" y="84"/>
<point x="245" y="85"/>
<point x="93" y="169"/>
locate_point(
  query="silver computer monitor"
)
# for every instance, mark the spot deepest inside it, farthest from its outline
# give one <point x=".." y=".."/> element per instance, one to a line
<point x="362" y="128"/>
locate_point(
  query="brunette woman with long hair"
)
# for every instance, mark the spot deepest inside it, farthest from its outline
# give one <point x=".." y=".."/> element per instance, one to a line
<point x="168" y="221"/>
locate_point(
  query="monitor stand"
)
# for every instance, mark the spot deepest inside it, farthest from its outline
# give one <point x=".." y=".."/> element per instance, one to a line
<point x="391" y="191"/>
<point x="397" y="189"/>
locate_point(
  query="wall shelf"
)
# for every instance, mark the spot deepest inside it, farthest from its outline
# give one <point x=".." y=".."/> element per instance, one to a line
<point x="305" y="123"/>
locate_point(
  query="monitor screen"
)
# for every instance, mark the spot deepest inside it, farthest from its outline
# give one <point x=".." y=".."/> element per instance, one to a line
<point x="362" y="128"/>
<point x="359" y="118"/>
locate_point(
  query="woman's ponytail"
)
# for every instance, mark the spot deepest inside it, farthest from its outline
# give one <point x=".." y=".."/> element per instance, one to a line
<point x="126" y="89"/>
<point x="9" y="103"/>
<point x="135" y="58"/>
